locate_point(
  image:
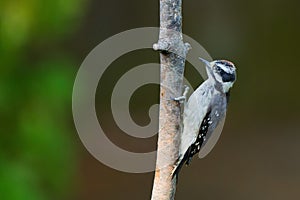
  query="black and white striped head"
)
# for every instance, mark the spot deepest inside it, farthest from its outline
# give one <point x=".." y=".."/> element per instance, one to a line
<point x="221" y="71"/>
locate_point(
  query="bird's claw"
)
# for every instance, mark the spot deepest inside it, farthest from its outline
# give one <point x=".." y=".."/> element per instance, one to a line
<point x="182" y="98"/>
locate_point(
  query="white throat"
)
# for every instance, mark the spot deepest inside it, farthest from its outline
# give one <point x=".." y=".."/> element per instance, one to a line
<point x="226" y="86"/>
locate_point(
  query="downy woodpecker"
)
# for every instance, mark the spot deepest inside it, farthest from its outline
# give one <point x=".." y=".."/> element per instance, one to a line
<point x="204" y="110"/>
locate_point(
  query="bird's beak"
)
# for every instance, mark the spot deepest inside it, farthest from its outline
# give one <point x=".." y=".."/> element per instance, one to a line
<point x="208" y="67"/>
<point x="207" y="63"/>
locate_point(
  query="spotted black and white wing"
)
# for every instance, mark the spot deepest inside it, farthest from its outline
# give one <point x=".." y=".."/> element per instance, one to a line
<point x="193" y="117"/>
<point x="216" y="123"/>
<point x="192" y="121"/>
<point x="213" y="139"/>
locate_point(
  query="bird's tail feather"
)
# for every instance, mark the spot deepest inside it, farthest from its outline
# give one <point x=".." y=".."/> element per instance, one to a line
<point x="177" y="169"/>
<point x="180" y="162"/>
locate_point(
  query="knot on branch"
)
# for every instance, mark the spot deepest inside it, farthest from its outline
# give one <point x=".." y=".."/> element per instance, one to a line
<point x="162" y="46"/>
<point x="166" y="47"/>
<point x="170" y="41"/>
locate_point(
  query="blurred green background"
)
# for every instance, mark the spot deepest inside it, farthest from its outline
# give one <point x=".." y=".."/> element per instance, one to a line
<point x="42" y="44"/>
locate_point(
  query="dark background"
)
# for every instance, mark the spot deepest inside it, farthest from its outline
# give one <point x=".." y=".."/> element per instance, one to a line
<point x="42" y="44"/>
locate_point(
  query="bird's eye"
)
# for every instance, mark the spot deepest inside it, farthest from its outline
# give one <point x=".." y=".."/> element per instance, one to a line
<point x="218" y="68"/>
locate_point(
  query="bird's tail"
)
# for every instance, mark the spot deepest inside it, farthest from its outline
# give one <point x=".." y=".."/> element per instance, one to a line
<point x="177" y="168"/>
<point x="180" y="162"/>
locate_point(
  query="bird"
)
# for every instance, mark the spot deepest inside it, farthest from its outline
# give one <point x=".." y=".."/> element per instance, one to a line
<point x="204" y="110"/>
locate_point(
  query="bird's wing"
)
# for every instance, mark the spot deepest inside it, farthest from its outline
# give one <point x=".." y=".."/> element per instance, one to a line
<point x="217" y="119"/>
<point x="194" y="113"/>
<point x="212" y="139"/>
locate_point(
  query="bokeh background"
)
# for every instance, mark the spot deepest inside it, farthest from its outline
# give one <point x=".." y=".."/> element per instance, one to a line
<point x="42" y="44"/>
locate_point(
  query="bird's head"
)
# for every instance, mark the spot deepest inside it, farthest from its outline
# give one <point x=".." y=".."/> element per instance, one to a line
<point x="223" y="72"/>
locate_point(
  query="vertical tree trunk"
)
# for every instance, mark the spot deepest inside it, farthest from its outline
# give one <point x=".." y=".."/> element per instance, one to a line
<point x="172" y="57"/>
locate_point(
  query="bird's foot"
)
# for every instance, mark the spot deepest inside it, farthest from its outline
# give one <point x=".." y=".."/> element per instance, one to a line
<point x="182" y="99"/>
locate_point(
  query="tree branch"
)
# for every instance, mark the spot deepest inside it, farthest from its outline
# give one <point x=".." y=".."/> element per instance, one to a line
<point x="172" y="57"/>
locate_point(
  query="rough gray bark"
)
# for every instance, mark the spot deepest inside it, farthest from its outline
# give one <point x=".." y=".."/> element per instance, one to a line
<point x="172" y="57"/>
